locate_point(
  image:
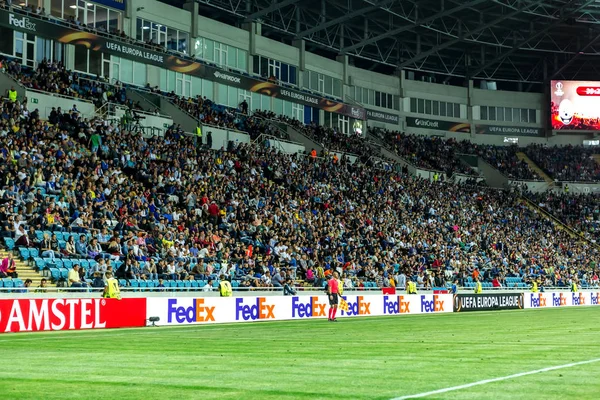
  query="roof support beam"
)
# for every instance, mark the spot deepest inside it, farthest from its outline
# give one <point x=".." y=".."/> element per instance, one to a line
<point x="575" y="57"/>
<point x="539" y="33"/>
<point x="452" y="42"/>
<point x="270" y="9"/>
<point x="343" y="18"/>
<point x="410" y="26"/>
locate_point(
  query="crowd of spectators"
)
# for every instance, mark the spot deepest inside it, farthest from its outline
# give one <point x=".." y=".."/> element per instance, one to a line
<point x="163" y="207"/>
<point x="429" y="152"/>
<point x="331" y="139"/>
<point x="579" y="211"/>
<point x="53" y="77"/>
<point x="566" y="163"/>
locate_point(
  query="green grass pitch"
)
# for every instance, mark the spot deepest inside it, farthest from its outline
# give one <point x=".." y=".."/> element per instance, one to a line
<point x="366" y="358"/>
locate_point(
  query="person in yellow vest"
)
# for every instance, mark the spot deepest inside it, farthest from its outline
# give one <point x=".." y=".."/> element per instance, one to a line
<point x="340" y="286"/>
<point x="411" y="287"/>
<point x="111" y="290"/>
<point x="574" y="285"/>
<point x="12" y="94"/>
<point x="478" y="289"/>
<point x="225" y="287"/>
<point x="566" y="188"/>
<point x="198" y="135"/>
<point x="534" y="286"/>
<point x="436" y="176"/>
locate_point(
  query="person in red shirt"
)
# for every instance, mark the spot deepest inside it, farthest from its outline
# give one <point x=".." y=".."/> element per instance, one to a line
<point x="333" y="292"/>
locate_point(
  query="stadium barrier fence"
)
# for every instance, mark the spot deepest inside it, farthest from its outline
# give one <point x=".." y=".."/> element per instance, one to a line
<point x="53" y="314"/>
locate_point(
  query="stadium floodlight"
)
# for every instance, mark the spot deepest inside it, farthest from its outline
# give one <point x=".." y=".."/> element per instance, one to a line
<point x="154" y="320"/>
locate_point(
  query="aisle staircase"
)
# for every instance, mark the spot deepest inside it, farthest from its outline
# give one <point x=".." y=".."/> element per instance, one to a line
<point x="559" y="224"/>
<point x="534" y="167"/>
<point x="596" y="158"/>
<point x="25" y="272"/>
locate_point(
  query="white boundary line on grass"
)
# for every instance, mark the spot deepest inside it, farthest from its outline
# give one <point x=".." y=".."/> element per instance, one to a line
<point x="502" y="378"/>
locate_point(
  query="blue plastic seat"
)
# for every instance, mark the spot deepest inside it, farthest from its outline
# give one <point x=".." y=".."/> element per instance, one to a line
<point x="24" y="253"/>
<point x="194" y="284"/>
<point x="64" y="273"/>
<point x="58" y="262"/>
<point x="122" y="282"/>
<point x="17" y="282"/>
<point x="33" y="252"/>
<point x="48" y="262"/>
<point x="67" y="263"/>
<point x="187" y="284"/>
<point x="7" y="283"/>
<point x="10" y="243"/>
<point x="54" y="274"/>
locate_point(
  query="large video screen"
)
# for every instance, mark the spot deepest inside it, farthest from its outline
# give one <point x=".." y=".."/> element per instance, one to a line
<point x="575" y="105"/>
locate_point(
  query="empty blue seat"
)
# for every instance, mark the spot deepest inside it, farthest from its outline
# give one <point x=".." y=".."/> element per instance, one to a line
<point x="194" y="284"/>
<point x="122" y="282"/>
<point x="17" y="282"/>
<point x="33" y="252"/>
<point x="150" y="284"/>
<point x="24" y="253"/>
<point x="39" y="235"/>
<point x="7" y="283"/>
<point x="64" y="273"/>
<point x="187" y="284"/>
<point x="58" y="262"/>
<point x="54" y="274"/>
<point x="67" y="263"/>
<point x="10" y="243"/>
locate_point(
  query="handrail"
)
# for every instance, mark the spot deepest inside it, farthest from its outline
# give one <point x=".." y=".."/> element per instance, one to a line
<point x="277" y="139"/>
<point x="58" y="95"/>
<point x="572" y="232"/>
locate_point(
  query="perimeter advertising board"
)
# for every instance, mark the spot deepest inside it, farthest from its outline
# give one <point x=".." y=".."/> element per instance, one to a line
<point x="207" y="310"/>
<point x="30" y="315"/>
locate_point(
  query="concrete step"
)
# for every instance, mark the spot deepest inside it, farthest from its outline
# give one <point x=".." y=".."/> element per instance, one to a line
<point x="534" y="167"/>
<point x="596" y="158"/>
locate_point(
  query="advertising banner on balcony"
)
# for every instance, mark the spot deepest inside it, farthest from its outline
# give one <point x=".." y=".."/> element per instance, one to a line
<point x="508" y="130"/>
<point x="154" y="56"/>
<point x="381" y="116"/>
<point x="438" y="125"/>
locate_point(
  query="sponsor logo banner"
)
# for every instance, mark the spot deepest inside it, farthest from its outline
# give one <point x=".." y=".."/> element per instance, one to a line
<point x="27" y="315"/>
<point x="482" y="302"/>
<point x="381" y="116"/>
<point x="438" y="125"/>
<point x="561" y="299"/>
<point x="508" y="130"/>
<point x="186" y="310"/>
<point x="140" y="54"/>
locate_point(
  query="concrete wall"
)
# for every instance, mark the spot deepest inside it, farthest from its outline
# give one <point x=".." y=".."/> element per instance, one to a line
<point x="44" y="103"/>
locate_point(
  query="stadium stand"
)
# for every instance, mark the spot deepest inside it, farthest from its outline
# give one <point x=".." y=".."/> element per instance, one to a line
<point x="162" y="208"/>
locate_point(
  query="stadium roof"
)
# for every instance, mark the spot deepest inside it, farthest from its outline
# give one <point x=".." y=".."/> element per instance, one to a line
<point x="514" y="40"/>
